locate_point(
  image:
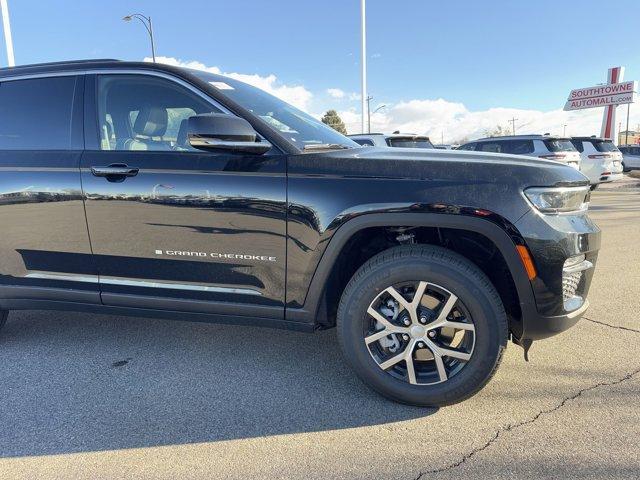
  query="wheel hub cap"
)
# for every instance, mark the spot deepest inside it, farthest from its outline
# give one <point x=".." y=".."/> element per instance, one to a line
<point x="417" y="331"/>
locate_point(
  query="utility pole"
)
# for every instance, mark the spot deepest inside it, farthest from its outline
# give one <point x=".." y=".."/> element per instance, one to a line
<point x="369" y="98"/>
<point x="513" y="125"/>
<point x="363" y="22"/>
<point x="626" y="134"/>
<point x="4" y="9"/>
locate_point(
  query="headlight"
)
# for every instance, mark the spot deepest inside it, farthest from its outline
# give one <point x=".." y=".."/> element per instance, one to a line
<point x="554" y="200"/>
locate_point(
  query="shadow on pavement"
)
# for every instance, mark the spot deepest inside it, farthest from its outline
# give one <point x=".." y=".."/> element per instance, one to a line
<point x="75" y="382"/>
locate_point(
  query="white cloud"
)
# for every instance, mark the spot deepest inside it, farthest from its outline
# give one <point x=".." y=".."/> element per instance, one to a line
<point x="336" y="92"/>
<point x="432" y="117"/>
<point x="435" y="117"/>
<point x="294" y="94"/>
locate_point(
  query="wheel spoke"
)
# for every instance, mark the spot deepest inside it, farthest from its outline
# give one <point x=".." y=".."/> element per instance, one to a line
<point x="442" y="372"/>
<point x="447" y="307"/>
<point x="422" y="286"/>
<point x="459" y="325"/>
<point x="398" y="296"/>
<point x="374" y="337"/>
<point x="411" y="372"/>
<point x="392" y="361"/>
<point x="447" y="352"/>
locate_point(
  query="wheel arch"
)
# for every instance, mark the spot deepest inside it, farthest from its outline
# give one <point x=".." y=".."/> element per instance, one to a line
<point x="495" y="233"/>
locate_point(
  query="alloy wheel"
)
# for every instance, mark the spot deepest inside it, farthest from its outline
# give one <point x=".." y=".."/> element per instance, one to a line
<point x="419" y="332"/>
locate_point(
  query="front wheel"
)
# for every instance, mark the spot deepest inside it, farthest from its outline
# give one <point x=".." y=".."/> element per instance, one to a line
<point x="422" y="325"/>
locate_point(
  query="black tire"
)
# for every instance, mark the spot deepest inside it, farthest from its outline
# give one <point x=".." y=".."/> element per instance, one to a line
<point x="441" y="267"/>
<point x="625" y="169"/>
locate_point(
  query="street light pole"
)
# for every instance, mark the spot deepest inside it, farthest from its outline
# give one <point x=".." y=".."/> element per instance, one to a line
<point x="363" y="62"/>
<point x="4" y="9"/>
<point x="146" y="21"/>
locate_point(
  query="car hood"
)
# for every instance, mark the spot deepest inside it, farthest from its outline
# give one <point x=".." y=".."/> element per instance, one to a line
<point x="437" y="165"/>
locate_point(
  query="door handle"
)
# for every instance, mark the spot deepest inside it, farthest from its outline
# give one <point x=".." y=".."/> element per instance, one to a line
<point x="116" y="170"/>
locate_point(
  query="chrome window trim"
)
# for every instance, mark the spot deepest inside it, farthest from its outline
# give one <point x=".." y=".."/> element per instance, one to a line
<point x="120" y="71"/>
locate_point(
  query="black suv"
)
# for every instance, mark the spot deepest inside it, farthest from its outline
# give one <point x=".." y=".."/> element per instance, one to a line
<point x="144" y="189"/>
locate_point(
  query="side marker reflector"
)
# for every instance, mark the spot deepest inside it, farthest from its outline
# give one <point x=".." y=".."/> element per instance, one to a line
<point x="527" y="261"/>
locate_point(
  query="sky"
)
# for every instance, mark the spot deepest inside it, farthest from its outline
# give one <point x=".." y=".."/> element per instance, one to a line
<point x="452" y="70"/>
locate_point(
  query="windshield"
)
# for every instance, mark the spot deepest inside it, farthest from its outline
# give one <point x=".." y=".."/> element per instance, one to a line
<point x="604" y="145"/>
<point x="296" y="126"/>
<point x="410" y="142"/>
<point x="560" y="145"/>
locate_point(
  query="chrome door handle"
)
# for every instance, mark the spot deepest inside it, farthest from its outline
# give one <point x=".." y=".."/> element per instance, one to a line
<point x="115" y="171"/>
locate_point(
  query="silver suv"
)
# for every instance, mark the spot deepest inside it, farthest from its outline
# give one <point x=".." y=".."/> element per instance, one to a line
<point x="543" y="146"/>
<point x="403" y="140"/>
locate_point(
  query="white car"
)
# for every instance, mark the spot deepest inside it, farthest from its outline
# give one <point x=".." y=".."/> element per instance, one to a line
<point x="630" y="157"/>
<point x="402" y="140"/>
<point x="601" y="159"/>
<point x="543" y="146"/>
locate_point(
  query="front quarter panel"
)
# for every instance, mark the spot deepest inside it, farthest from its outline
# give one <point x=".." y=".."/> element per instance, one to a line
<point x="327" y="190"/>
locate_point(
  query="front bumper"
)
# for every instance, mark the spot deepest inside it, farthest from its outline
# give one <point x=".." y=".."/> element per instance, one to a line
<point x="552" y="240"/>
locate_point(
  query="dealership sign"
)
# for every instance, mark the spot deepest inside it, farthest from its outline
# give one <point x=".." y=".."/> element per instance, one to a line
<point x="602" y="96"/>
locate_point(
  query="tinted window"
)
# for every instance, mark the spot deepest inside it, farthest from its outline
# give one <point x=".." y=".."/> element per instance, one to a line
<point x="364" y="142"/>
<point x="578" y="145"/>
<point x="518" y="147"/>
<point x="36" y="114"/>
<point x="604" y="145"/>
<point x="137" y="112"/>
<point x="467" y="146"/>
<point x="559" y="145"/>
<point x="494" y="147"/>
<point x="409" y="142"/>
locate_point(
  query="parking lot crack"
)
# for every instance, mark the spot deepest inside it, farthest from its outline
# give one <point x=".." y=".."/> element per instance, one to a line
<point x="617" y="327"/>
<point x="514" y="426"/>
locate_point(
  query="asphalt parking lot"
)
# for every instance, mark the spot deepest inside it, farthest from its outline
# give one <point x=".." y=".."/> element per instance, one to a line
<point x="90" y="396"/>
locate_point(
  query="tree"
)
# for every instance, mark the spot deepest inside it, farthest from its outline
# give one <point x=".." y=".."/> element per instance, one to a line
<point x="332" y="119"/>
<point x="498" y="131"/>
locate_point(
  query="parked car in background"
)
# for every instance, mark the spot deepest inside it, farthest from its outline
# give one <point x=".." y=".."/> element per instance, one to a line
<point x="404" y="140"/>
<point x="542" y="146"/>
<point x="445" y="146"/>
<point x="630" y="157"/>
<point x="601" y="160"/>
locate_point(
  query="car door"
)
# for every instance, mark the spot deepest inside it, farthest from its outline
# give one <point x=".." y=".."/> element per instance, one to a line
<point x="44" y="245"/>
<point x="173" y="227"/>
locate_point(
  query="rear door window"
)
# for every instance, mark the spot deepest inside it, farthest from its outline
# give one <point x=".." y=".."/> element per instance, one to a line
<point x="518" y="147"/>
<point x="604" y="146"/>
<point x="494" y="147"/>
<point x="36" y="114"/>
<point x="559" y="145"/>
<point x="363" y="141"/>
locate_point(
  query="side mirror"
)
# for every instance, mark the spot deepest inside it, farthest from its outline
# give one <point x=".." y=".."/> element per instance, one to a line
<point x="219" y="132"/>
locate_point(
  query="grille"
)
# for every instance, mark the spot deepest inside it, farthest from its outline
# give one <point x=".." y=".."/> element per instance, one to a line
<point x="570" y="282"/>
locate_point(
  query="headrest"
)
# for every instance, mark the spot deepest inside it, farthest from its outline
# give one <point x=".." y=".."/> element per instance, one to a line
<point x="151" y="122"/>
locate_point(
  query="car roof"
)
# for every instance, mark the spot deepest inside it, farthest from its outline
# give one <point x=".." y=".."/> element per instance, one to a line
<point x="84" y="65"/>
<point x="391" y="135"/>
<point x="521" y="137"/>
<point x="592" y="138"/>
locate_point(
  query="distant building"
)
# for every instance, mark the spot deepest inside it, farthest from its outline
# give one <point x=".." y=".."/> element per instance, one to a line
<point x="629" y="138"/>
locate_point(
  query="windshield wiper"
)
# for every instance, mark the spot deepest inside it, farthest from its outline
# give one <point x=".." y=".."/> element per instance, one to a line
<point x="324" y="146"/>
